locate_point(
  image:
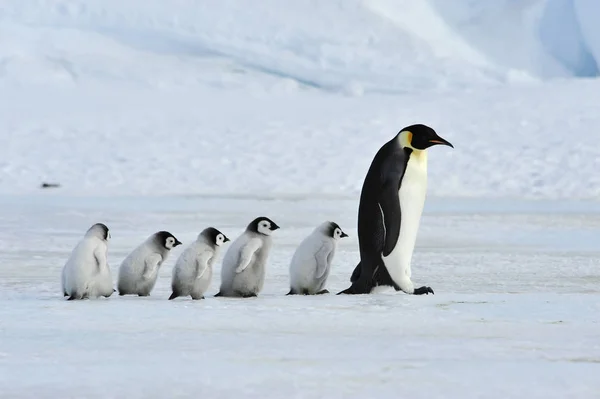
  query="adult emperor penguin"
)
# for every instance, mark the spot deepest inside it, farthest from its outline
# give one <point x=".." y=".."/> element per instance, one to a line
<point x="86" y="273"/>
<point x="389" y="213"/>
<point x="139" y="270"/>
<point x="312" y="259"/>
<point x="193" y="270"/>
<point x="244" y="263"/>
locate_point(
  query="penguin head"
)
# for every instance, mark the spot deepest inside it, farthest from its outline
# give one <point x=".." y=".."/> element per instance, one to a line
<point x="420" y="137"/>
<point x="262" y="225"/>
<point x="167" y="240"/>
<point x="100" y="231"/>
<point x="214" y="236"/>
<point x="333" y="230"/>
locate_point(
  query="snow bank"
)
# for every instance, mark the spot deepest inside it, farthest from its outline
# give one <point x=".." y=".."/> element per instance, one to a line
<point x="122" y="97"/>
<point x="350" y="45"/>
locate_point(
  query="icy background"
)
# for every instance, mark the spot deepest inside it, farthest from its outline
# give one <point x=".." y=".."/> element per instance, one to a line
<point x="182" y="114"/>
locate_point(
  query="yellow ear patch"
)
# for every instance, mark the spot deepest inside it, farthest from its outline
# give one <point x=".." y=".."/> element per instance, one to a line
<point x="406" y="139"/>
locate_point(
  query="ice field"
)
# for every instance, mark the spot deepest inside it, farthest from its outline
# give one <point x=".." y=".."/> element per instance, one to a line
<point x="180" y="115"/>
<point x="515" y="310"/>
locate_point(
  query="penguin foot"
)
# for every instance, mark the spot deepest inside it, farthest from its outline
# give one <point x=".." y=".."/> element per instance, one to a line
<point x="196" y="298"/>
<point x="252" y="295"/>
<point x="322" y="292"/>
<point x="423" y="290"/>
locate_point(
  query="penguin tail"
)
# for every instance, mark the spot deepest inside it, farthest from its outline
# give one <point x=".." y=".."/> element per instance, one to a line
<point x="218" y="294"/>
<point x="356" y="273"/>
<point x="173" y="295"/>
<point x="292" y="292"/>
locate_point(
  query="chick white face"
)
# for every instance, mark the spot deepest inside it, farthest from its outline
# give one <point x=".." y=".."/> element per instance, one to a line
<point x="264" y="227"/>
<point x="220" y="240"/>
<point x="170" y="243"/>
<point x="338" y="233"/>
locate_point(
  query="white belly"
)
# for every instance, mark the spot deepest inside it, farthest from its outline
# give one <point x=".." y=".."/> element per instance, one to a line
<point x="412" y="195"/>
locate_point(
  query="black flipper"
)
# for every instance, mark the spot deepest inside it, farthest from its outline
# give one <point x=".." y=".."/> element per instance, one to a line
<point x="391" y="214"/>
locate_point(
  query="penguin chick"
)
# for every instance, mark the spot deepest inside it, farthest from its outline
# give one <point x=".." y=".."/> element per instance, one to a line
<point x="311" y="262"/>
<point x="243" y="269"/>
<point x="139" y="270"/>
<point x="193" y="270"/>
<point x="86" y="273"/>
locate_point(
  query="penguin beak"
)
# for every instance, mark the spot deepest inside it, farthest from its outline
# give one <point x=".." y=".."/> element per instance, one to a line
<point x="225" y="239"/>
<point x="344" y="235"/>
<point x="274" y="226"/>
<point x="439" y="140"/>
<point x="177" y="242"/>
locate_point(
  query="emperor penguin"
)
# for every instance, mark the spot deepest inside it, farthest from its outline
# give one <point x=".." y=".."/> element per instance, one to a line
<point x="86" y="273"/>
<point x="139" y="270"/>
<point x="193" y="270"/>
<point x="244" y="263"/>
<point x="312" y="259"/>
<point x="389" y="213"/>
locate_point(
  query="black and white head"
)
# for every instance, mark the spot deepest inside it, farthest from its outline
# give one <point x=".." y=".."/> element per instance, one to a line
<point x="332" y="230"/>
<point x="262" y="225"/>
<point x="336" y="231"/>
<point x="166" y="240"/>
<point x="214" y="236"/>
<point x="100" y="231"/>
<point x="420" y="137"/>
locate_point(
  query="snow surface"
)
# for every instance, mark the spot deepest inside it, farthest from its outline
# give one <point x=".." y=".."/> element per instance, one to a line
<point x="182" y="114"/>
<point x="515" y="311"/>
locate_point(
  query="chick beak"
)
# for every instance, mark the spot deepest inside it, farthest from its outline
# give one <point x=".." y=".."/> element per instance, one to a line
<point x="225" y="239"/>
<point x="439" y="140"/>
<point x="177" y="242"/>
<point x="344" y="235"/>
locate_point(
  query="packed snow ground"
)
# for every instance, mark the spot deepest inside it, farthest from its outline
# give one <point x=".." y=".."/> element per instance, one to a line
<point x="515" y="310"/>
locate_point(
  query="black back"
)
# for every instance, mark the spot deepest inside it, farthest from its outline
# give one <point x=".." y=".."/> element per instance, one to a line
<point x="378" y="235"/>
